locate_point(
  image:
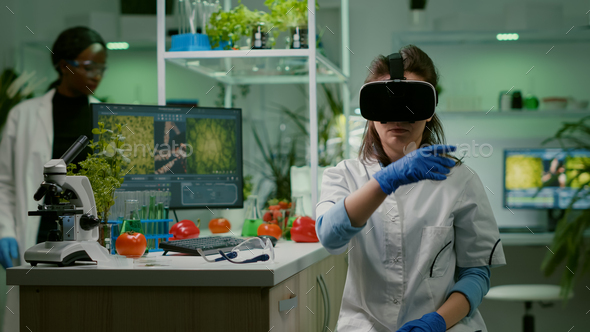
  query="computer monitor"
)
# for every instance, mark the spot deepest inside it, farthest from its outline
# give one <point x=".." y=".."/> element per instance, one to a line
<point x="193" y="152"/>
<point x="527" y="170"/>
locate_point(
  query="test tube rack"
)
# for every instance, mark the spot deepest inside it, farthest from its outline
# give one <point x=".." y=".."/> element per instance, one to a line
<point x="154" y="230"/>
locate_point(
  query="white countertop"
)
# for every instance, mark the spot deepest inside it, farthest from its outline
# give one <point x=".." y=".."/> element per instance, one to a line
<point x="184" y="270"/>
<point x="180" y="270"/>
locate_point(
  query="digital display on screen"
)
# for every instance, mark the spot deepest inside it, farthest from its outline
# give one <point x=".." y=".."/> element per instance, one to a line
<point x="545" y="178"/>
<point x="195" y="153"/>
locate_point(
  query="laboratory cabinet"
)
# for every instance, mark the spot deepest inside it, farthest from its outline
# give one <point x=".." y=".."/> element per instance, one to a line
<point x="316" y="293"/>
<point x="302" y="292"/>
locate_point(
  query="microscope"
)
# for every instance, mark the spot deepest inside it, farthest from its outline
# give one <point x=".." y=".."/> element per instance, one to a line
<point x="70" y="203"/>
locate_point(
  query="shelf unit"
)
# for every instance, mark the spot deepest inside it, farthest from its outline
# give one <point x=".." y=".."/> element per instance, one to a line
<point x="579" y="34"/>
<point x="224" y="63"/>
<point x="513" y="114"/>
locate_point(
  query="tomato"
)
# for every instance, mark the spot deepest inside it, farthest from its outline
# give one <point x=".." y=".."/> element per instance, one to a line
<point x="185" y="229"/>
<point x="284" y="205"/>
<point x="267" y="216"/>
<point x="219" y="225"/>
<point x="131" y="244"/>
<point x="303" y="230"/>
<point x="269" y="229"/>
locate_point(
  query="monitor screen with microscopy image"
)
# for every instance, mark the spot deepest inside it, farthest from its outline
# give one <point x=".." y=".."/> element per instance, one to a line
<point x="546" y="178"/>
<point x="195" y="153"/>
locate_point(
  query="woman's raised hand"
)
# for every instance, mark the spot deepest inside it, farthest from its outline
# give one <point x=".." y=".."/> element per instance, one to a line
<point x="420" y="164"/>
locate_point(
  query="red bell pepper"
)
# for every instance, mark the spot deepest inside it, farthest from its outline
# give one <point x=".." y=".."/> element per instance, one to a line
<point x="185" y="229"/>
<point x="303" y="230"/>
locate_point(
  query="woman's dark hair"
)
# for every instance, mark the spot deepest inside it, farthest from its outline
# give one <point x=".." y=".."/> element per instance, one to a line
<point x="419" y="63"/>
<point x="69" y="44"/>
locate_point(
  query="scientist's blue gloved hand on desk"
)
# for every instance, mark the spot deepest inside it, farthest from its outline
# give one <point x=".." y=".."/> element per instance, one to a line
<point x="421" y="164"/>
<point x="432" y="322"/>
<point x="8" y="251"/>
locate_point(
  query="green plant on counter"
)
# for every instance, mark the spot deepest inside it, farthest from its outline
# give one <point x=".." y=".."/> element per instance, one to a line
<point x="568" y="244"/>
<point x="15" y="88"/>
<point x="103" y="167"/>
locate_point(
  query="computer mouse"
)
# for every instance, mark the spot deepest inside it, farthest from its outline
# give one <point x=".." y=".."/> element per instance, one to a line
<point x="272" y="239"/>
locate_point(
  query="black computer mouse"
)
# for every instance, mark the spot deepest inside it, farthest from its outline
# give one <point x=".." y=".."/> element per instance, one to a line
<point x="272" y="239"/>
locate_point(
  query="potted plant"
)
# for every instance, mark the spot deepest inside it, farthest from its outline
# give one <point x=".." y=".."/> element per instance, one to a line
<point x="242" y="22"/>
<point x="232" y="25"/>
<point x="102" y="167"/>
<point x="568" y="244"/>
<point x="291" y="16"/>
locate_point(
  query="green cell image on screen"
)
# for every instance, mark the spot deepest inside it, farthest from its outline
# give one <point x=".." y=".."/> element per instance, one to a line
<point x="523" y="172"/>
<point x="574" y="166"/>
<point x="139" y="140"/>
<point x="214" y="146"/>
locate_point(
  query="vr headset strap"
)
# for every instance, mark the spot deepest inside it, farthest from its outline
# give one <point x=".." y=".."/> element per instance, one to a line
<point x="396" y="66"/>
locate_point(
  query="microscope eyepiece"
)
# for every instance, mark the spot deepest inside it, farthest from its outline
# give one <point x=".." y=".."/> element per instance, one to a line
<point x="75" y="149"/>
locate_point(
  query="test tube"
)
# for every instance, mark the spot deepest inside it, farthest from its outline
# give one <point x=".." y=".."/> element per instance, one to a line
<point x="152" y="207"/>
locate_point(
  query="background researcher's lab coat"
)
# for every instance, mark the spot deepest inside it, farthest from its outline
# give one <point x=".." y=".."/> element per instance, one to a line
<point x="26" y="145"/>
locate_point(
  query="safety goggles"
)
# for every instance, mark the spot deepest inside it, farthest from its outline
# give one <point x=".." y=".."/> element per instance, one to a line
<point x="397" y="99"/>
<point x="268" y="253"/>
<point x="91" y="68"/>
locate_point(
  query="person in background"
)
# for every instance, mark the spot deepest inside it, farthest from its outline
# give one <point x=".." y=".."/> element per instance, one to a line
<point x="417" y="225"/>
<point x="38" y="130"/>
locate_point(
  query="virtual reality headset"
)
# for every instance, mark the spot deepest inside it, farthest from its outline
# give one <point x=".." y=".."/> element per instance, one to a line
<point x="397" y="99"/>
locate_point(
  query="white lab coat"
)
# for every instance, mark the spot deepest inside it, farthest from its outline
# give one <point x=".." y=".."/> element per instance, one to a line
<point x="26" y="145"/>
<point x="402" y="264"/>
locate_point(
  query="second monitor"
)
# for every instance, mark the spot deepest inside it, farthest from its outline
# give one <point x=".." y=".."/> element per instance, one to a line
<point x="195" y="153"/>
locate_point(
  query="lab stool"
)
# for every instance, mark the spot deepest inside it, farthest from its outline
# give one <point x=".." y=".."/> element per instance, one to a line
<point x="527" y="294"/>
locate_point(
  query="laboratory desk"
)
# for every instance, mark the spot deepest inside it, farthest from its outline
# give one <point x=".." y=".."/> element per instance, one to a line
<point x="301" y="291"/>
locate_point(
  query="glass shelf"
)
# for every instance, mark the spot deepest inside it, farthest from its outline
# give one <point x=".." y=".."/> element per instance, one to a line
<point x="258" y="69"/>
<point x="523" y="113"/>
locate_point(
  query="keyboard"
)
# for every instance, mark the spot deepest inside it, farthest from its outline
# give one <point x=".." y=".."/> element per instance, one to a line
<point x="209" y="245"/>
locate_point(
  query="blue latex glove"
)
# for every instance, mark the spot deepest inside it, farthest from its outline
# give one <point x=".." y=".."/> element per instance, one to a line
<point x="432" y="322"/>
<point x="8" y="251"/>
<point x="421" y="164"/>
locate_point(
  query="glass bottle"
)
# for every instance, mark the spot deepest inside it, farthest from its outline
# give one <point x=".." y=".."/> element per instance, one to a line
<point x="253" y="217"/>
<point x="131" y="220"/>
<point x="297" y="210"/>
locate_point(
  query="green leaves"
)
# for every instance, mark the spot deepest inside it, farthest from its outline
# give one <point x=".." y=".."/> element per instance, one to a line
<point x="288" y="13"/>
<point x="103" y="167"/>
<point x="238" y="22"/>
<point x="214" y="144"/>
<point x="570" y="253"/>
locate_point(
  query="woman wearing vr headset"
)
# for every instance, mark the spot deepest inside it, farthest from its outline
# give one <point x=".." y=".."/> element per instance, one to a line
<point x="416" y="223"/>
